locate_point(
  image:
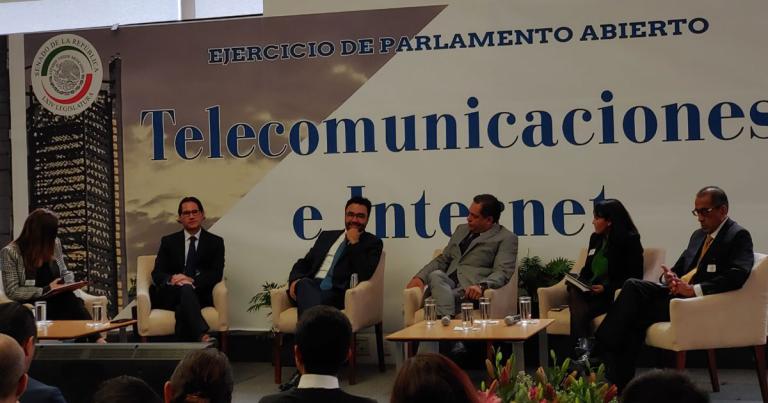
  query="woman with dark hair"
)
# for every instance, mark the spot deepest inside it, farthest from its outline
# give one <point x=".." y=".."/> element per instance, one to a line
<point x="432" y="378"/>
<point x="33" y="264"/>
<point x="614" y="255"/>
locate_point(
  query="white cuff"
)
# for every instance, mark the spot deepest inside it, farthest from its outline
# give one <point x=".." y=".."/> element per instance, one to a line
<point x="697" y="290"/>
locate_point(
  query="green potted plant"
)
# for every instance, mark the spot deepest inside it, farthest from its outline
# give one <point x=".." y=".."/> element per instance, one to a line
<point x="535" y="274"/>
<point x="263" y="298"/>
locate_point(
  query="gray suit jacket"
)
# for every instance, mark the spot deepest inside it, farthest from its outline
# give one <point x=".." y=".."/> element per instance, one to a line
<point x="489" y="259"/>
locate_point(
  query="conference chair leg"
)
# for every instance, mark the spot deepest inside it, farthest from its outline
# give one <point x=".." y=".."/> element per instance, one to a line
<point x="353" y="360"/>
<point x="224" y="345"/>
<point x="380" y="345"/>
<point x="760" y="363"/>
<point x="277" y="343"/>
<point x="712" y="364"/>
<point x="680" y="360"/>
<point x="410" y="348"/>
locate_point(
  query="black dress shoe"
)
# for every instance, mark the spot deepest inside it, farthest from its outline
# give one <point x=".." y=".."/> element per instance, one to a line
<point x="292" y="383"/>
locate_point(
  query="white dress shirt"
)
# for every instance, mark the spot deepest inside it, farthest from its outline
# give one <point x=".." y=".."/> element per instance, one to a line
<point x="318" y="381"/>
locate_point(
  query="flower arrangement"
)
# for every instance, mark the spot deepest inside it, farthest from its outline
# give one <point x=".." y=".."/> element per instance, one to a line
<point x="548" y="385"/>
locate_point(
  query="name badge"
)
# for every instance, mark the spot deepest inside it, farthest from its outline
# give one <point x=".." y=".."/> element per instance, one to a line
<point x="29" y="283"/>
<point x="711" y="268"/>
<point x="591" y="252"/>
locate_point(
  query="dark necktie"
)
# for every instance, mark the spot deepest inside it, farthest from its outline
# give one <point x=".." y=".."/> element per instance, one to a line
<point x="464" y="244"/>
<point x="189" y="269"/>
<point x="327" y="282"/>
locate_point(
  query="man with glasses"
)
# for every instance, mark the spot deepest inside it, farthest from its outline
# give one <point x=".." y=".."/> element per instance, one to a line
<point x="323" y="275"/>
<point x="718" y="258"/>
<point x="188" y="265"/>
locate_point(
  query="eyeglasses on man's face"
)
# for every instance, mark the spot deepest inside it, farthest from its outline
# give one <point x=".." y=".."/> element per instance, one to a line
<point x="359" y="216"/>
<point x="190" y="213"/>
<point x="703" y="212"/>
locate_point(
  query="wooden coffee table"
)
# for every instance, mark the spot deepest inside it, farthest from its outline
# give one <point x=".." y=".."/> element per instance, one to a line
<point x="499" y="331"/>
<point x="75" y="329"/>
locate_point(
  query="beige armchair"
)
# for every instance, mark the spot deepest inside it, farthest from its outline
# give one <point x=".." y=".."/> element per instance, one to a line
<point x="503" y="300"/>
<point x="557" y="295"/>
<point x="161" y="322"/>
<point x="363" y="305"/>
<point x="737" y="318"/>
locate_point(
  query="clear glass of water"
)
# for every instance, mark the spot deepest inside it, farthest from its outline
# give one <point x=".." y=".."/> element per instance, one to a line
<point x="466" y="315"/>
<point x="525" y="310"/>
<point x="353" y="280"/>
<point x="485" y="309"/>
<point x="41" y="313"/>
<point x="430" y="311"/>
<point x="97" y="315"/>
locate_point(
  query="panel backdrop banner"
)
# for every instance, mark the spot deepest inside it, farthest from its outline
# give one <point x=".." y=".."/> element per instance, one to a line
<point x="275" y="122"/>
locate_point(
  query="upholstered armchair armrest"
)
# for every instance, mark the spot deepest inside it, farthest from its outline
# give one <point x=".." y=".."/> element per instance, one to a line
<point x="701" y="321"/>
<point x="221" y="301"/>
<point x="143" y="307"/>
<point x="503" y="299"/>
<point x="280" y="303"/>
<point x="551" y="297"/>
<point x="363" y="305"/>
<point x="412" y="301"/>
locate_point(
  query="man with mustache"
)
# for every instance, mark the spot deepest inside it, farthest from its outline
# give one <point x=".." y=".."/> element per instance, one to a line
<point x="322" y="276"/>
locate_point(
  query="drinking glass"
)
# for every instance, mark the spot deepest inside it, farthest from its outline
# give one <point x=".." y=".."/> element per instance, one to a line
<point x="525" y="310"/>
<point x="485" y="310"/>
<point x="97" y="315"/>
<point x="430" y="311"/>
<point x="41" y="313"/>
<point x="466" y="315"/>
<point x="353" y="280"/>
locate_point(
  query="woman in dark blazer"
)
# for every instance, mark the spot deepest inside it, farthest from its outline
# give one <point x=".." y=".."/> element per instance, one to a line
<point x="614" y="255"/>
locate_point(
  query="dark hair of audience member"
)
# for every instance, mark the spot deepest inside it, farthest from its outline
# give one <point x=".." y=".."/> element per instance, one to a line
<point x="433" y="378"/>
<point x="663" y="386"/>
<point x="37" y="239"/>
<point x="17" y="321"/>
<point x="12" y="367"/>
<point x="125" y="389"/>
<point x="490" y="206"/>
<point x="202" y="376"/>
<point x="359" y="200"/>
<point x="192" y="199"/>
<point x="323" y="336"/>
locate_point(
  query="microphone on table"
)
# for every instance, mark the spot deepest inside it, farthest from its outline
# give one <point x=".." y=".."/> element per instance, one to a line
<point x="446" y="320"/>
<point x="511" y="320"/>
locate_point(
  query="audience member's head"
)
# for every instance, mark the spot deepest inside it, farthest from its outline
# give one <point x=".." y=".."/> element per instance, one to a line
<point x="663" y="386"/>
<point x="17" y="321"/>
<point x="125" y="389"/>
<point x="203" y="376"/>
<point x="432" y="378"/>
<point x="13" y="377"/>
<point x="323" y="336"/>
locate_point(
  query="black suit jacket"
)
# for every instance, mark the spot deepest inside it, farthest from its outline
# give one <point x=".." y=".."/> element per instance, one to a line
<point x="361" y="258"/>
<point x="38" y="392"/>
<point x="315" y="395"/>
<point x="730" y="255"/>
<point x="625" y="260"/>
<point x="210" y="263"/>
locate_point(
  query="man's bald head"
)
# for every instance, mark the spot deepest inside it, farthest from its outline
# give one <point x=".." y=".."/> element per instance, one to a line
<point x="12" y="369"/>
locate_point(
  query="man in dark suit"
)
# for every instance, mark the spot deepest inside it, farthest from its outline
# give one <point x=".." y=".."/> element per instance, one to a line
<point x="188" y="265"/>
<point x="323" y="337"/>
<point x="17" y="321"/>
<point x="718" y="258"/>
<point x="322" y="276"/>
